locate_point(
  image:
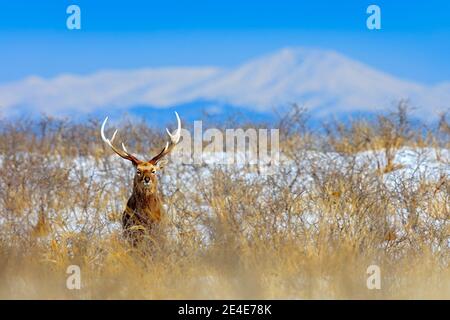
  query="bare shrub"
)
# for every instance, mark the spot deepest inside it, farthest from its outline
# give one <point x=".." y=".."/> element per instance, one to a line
<point x="351" y="195"/>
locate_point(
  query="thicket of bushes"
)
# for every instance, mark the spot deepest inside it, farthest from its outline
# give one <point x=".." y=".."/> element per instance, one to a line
<point x="228" y="236"/>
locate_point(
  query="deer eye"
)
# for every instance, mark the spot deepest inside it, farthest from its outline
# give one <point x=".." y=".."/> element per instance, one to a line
<point x="138" y="172"/>
<point x="153" y="171"/>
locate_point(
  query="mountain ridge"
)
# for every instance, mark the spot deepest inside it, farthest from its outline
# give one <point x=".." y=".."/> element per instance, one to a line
<point x="325" y="82"/>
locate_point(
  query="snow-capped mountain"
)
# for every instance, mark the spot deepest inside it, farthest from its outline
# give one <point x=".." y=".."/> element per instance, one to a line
<point x="323" y="81"/>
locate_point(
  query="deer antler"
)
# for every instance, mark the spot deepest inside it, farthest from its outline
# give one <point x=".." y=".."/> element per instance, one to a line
<point x="123" y="153"/>
<point x="174" y="139"/>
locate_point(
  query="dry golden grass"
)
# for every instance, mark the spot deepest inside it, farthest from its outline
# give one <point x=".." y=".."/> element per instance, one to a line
<point x="221" y="238"/>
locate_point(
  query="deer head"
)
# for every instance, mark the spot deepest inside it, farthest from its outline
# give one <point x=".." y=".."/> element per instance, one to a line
<point x="145" y="176"/>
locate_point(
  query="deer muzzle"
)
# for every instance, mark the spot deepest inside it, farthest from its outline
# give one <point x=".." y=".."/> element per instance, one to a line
<point x="147" y="181"/>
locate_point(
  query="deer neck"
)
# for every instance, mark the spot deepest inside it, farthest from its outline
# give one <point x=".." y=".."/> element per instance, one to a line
<point x="145" y="196"/>
<point x="145" y="203"/>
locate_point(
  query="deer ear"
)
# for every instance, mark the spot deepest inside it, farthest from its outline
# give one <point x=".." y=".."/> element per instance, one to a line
<point x="161" y="164"/>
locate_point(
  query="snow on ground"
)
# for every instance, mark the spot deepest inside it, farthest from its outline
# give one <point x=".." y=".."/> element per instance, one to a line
<point x="412" y="163"/>
<point x="115" y="175"/>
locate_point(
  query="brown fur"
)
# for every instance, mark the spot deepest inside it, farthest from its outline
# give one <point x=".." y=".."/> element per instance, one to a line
<point x="144" y="208"/>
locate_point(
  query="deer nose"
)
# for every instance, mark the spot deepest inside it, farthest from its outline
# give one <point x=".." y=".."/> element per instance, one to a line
<point x="147" y="179"/>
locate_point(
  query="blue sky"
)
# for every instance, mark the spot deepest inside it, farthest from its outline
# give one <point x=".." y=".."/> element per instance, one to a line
<point x="414" y="42"/>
